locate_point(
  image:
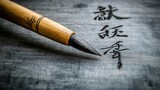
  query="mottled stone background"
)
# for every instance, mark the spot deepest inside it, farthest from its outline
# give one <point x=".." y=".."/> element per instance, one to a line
<point x="29" y="61"/>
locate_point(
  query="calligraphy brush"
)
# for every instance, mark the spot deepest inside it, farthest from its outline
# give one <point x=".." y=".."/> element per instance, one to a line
<point x="42" y="25"/>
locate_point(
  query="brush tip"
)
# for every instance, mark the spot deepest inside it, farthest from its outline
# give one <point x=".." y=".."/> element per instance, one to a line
<point x="82" y="45"/>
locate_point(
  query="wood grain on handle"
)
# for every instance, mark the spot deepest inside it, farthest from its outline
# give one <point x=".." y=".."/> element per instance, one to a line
<point x="34" y="21"/>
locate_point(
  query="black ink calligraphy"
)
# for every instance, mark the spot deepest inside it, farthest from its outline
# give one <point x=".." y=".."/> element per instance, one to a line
<point x="30" y="21"/>
<point x="106" y="32"/>
<point x="109" y="12"/>
<point x="116" y="50"/>
<point x="111" y="32"/>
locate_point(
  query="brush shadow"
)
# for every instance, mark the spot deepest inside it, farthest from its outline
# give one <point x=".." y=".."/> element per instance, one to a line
<point x="41" y="45"/>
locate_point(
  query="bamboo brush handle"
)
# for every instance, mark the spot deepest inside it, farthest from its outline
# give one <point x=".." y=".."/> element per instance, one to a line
<point x="34" y="21"/>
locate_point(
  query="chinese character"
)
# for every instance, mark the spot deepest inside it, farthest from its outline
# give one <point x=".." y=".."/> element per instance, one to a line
<point x="106" y="32"/>
<point x="103" y="11"/>
<point x="116" y="52"/>
<point x="30" y="21"/>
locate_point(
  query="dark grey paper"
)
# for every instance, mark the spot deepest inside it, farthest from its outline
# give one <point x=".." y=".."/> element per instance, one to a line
<point x="29" y="61"/>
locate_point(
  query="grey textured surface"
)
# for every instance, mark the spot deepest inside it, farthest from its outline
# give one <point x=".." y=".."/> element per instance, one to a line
<point x="29" y="61"/>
